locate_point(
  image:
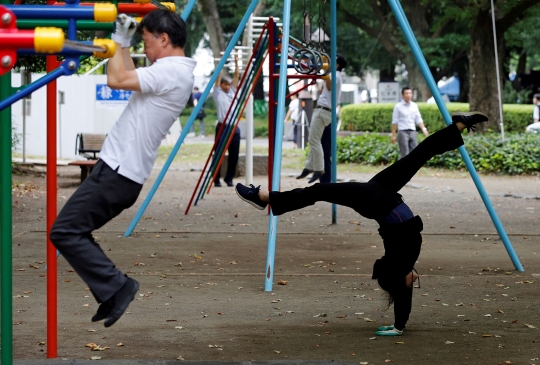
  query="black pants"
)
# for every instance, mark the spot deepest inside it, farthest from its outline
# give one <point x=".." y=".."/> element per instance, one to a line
<point x="326" y="142"/>
<point x="353" y="194"/>
<point x="234" y="151"/>
<point x="100" y="198"/>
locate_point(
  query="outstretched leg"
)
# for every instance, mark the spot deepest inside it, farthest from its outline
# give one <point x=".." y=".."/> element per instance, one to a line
<point x="397" y="175"/>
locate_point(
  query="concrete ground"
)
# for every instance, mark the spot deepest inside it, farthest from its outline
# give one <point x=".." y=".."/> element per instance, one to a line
<point x="201" y="297"/>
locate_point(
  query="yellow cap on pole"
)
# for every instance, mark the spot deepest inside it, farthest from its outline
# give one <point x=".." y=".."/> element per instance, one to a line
<point x="48" y="40"/>
<point x="105" y="12"/>
<point x="170" y="6"/>
<point x="108" y="45"/>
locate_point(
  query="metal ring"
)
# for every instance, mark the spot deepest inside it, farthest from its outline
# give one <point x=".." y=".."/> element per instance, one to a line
<point x="298" y="65"/>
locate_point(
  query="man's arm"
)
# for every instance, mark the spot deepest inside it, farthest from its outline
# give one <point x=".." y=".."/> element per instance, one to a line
<point x="327" y="82"/>
<point x="120" y="75"/>
<point x="394" y="124"/>
<point x="121" y="72"/>
<point x="236" y="73"/>
<point x="423" y="128"/>
<point x="128" y="61"/>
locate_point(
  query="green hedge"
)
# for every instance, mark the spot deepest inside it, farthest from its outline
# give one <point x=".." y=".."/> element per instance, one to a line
<point x="519" y="154"/>
<point x="378" y="117"/>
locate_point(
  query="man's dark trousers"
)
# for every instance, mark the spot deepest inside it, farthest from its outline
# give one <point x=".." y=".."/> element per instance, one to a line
<point x="234" y="151"/>
<point x="100" y="198"/>
<point x="326" y="142"/>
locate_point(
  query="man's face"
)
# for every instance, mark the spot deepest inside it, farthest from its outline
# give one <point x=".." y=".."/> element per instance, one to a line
<point x="152" y="45"/>
<point x="535" y="100"/>
<point x="225" y="86"/>
<point x="407" y="96"/>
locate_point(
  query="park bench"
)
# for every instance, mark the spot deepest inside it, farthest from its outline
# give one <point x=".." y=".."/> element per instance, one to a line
<point x="88" y="145"/>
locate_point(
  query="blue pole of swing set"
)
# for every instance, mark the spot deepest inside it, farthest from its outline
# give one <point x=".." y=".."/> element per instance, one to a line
<point x="192" y="117"/>
<point x="333" y="56"/>
<point x="188" y="9"/>
<point x="280" y="116"/>
<point x="411" y="39"/>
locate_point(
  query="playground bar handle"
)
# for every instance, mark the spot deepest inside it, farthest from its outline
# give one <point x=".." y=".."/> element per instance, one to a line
<point x="192" y="117"/>
<point x="411" y="39"/>
<point x="280" y="116"/>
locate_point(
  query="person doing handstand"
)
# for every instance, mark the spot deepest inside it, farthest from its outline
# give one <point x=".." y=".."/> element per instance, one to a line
<point x="378" y="199"/>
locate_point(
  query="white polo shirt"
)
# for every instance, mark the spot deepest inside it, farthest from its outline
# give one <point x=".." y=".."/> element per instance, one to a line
<point x="223" y="102"/>
<point x="132" y="144"/>
<point x="326" y="96"/>
<point x="406" y="116"/>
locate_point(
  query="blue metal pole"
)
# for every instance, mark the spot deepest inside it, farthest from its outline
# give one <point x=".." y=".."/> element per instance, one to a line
<point x="52" y="12"/>
<point x="411" y="39"/>
<point x="60" y="71"/>
<point x="188" y="9"/>
<point x="280" y="116"/>
<point x="191" y="119"/>
<point x="333" y="56"/>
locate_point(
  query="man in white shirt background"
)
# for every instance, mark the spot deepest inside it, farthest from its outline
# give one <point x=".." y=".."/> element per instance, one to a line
<point x="405" y="118"/>
<point x="160" y="93"/>
<point x="224" y="91"/>
<point x="535" y="126"/>
<point x="321" y="118"/>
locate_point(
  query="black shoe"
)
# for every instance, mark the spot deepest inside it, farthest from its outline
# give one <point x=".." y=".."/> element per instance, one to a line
<point x="217" y="184"/>
<point x="305" y="172"/>
<point x="250" y="195"/>
<point x="316" y="176"/>
<point x="120" y="301"/>
<point x="229" y="183"/>
<point x="469" y="119"/>
<point x="102" y="312"/>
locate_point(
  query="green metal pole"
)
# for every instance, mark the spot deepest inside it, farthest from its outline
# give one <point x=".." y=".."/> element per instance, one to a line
<point x="6" y="266"/>
<point x="81" y="24"/>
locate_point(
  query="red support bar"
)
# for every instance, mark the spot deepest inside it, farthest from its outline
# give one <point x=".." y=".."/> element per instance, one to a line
<point x="127" y="8"/>
<point x="271" y="98"/>
<point x="52" y="287"/>
<point x="298" y="76"/>
<point x="17" y="39"/>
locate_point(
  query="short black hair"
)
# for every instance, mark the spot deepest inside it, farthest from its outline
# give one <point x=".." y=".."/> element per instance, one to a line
<point x="341" y="62"/>
<point x="537" y="96"/>
<point x="161" y="21"/>
<point x="195" y="88"/>
<point x="405" y="89"/>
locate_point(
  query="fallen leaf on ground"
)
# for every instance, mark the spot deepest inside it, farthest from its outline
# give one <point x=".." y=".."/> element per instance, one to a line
<point x="179" y="358"/>
<point x="529" y="325"/>
<point x="282" y="282"/>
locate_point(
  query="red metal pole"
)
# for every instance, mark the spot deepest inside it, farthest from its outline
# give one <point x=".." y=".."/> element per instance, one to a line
<point x="17" y="39"/>
<point x="52" y="300"/>
<point x="271" y="97"/>
<point x="128" y="8"/>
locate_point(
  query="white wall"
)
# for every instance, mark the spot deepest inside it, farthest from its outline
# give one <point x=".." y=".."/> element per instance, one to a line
<point x="79" y="114"/>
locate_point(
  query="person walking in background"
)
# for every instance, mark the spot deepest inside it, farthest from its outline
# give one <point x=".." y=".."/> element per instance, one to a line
<point x="224" y="91"/>
<point x="160" y="93"/>
<point x="535" y="126"/>
<point x="294" y="113"/>
<point x="321" y="118"/>
<point x="405" y="118"/>
<point x="200" y="116"/>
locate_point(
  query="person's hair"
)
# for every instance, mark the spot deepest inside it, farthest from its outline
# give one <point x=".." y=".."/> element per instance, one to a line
<point x="405" y="89"/>
<point x="162" y="21"/>
<point x="537" y="96"/>
<point x="195" y="88"/>
<point x="341" y="62"/>
<point x="225" y="80"/>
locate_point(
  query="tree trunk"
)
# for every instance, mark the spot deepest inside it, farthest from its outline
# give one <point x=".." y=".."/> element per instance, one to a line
<point x="208" y="9"/>
<point x="483" y="77"/>
<point x="417" y="81"/>
<point x="417" y="15"/>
